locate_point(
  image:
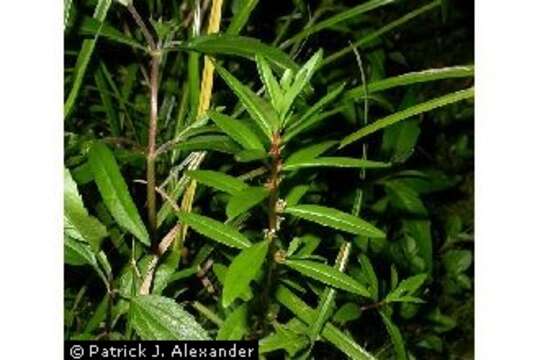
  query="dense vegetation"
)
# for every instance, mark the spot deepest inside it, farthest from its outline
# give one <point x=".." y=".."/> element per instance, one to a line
<point x="300" y="173"/>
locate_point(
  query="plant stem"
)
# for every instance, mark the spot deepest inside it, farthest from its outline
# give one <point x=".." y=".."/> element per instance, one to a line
<point x="151" y="151"/>
<point x="152" y="126"/>
<point x="273" y="222"/>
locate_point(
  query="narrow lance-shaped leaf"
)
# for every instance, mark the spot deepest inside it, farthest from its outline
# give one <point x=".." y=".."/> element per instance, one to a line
<point x="242" y="271"/>
<point x="261" y="111"/>
<point x="218" y="180"/>
<point x="336" y="219"/>
<point x="245" y="200"/>
<point x="241" y="17"/>
<point x="353" y="12"/>
<point x="412" y="78"/>
<point x="406" y="287"/>
<point x="114" y="191"/>
<point x="328" y="275"/>
<point x="215" y="230"/>
<point x="235" y="326"/>
<point x="238" y="131"/>
<point x="100" y="12"/>
<point x="242" y="46"/>
<point x="407" y="113"/>
<point x="326" y="303"/>
<point x="334" y="161"/>
<point x="271" y="85"/>
<point x="310" y="152"/>
<point x="77" y="222"/>
<point x="159" y="318"/>
<point x="332" y="334"/>
<point x="395" y="336"/>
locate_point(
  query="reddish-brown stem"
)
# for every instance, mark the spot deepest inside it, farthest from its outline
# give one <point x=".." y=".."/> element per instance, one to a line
<point x="152" y="126"/>
<point x="151" y="151"/>
<point x="273" y="222"/>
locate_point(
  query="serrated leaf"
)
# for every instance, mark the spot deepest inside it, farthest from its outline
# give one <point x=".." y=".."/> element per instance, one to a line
<point x="262" y="112"/>
<point x="235" y="326"/>
<point x="219" y="143"/>
<point x="218" y="180"/>
<point x="369" y="272"/>
<point x="406" y="287"/>
<point x="296" y="194"/>
<point x="395" y="336"/>
<point x="328" y="275"/>
<point x="215" y="230"/>
<point x="332" y="334"/>
<point x="91" y="26"/>
<point x="159" y="318"/>
<point x="114" y="191"/>
<point x="77" y="222"/>
<point x="245" y="200"/>
<point x="77" y="253"/>
<point x="289" y="337"/>
<point x="301" y="80"/>
<point x="251" y="155"/>
<point x="336" y="219"/>
<point x="271" y="85"/>
<point x="407" y="113"/>
<point x="237" y="130"/>
<point x="242" y="46"/>
<point x="310" y="152"/>
<point x="335" y="161"/>
<point x="242" y="271"/>
<point x="412" y="78"/>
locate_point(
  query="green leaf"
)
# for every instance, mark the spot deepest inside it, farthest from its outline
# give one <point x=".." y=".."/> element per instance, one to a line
<point x="406" y="287"/>
<point x="336" y="219"/>
<point x="114" y="191"/>
<point x="242" y="271"/>
<point x="240" y="46"/>
<point x="262" y="113"/>
<point x="296" y="194"/>
<point x="350" y="13"/>
<point x="395" y="336"/>
<point x="310" y="152"/>
<point x="404" y="198"/>
<point x="411" y="78"/>
<point x="106" y="99"/>
<point x="251" y="155"/>
<point x="332" y="334"/>
<point x="407" y="113"/>
<point x="245" y="200"/>
<point x="91" y="26"/>
<point x="420" y="231"/>
<point x="369" y="273"/>
<point x="301" y="80"/>
<point x="235" y="326"/>
<point x="160" y="318"/>
<point x="347" y="312"/>
<point x="237" y="130"/>
<point x="218" y="180"/>
<point x="219" y="143"/>
<point x="309" y="118"/>
<point x="77" y="253"/>
<point x="289" y="337"/>
<point x="88" y="45"/>
<point x="457" y="261"/>
<point x="271" y="85"/>
<point x="241" y="17"/>
<point x="342" y="162"/>
<point x="78" y="224"/>
<point x="215" y="230"/>
<point x="328" y="275"/>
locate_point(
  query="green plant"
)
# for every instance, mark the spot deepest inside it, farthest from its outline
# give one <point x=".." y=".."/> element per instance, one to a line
<point x="276" y="207"/>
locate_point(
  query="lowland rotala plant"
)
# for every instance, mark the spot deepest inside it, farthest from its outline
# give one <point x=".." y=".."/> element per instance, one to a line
<point x="239" y="242"/>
